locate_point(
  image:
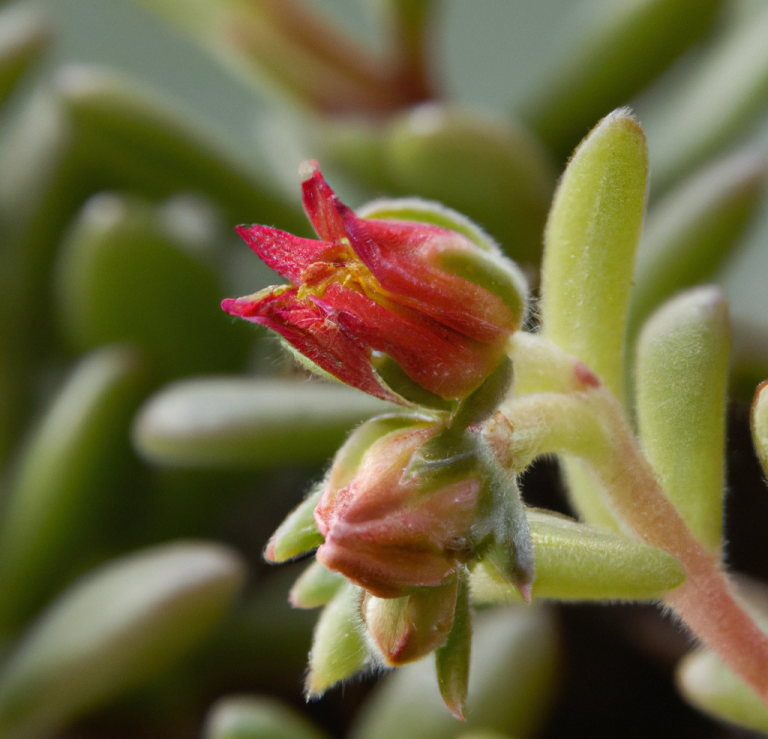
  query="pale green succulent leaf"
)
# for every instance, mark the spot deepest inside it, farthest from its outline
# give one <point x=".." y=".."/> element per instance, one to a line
<point x="25" y="34"/>
<point x="249" y="423"/>
<point x="577" y="562"/>
<point x="590" y="243"/>
<point x="116" y="627"/>
<point x="54" y="501"/>
<point x="682" y="378"/>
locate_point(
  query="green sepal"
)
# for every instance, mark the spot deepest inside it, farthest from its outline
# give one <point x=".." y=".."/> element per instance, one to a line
<point x="239" y="423"/>
<point x="577" y="562"/>
<point x="316" y="586"/>
<point x="484" y="401"/>
<point x="339" y="649"/>
<point x="444" y="457"/>
<point x="682" y="381"/>
<point x="298" y="534"/>
<point x="394" y="378"/>
<point x="246" y="717"/>
<point x="507" y="545"/>
<point x="452" y="659"/>
<point x="113" y="629"/>
<point x="500" y="278"/>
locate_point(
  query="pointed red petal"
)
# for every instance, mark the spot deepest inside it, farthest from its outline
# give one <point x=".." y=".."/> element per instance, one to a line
<point x="311" y="331"/>
<point x="288" y="255"/>
<point x="324" y="210"/>
<point x="437" y="358"/>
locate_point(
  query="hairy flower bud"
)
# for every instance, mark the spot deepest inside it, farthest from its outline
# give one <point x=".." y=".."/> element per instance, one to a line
<point x="427" y="297"/>
<point x="391" y="535"/>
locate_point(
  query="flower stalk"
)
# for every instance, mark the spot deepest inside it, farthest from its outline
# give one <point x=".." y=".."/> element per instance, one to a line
<point x="589" y="423"/>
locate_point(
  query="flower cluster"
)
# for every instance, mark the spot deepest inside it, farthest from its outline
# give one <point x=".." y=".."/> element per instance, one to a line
<point x="418" y="314"/>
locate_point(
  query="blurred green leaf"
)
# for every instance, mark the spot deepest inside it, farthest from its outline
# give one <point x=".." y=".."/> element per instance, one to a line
<point x="590" y="242"/>
<point x="682" y="379"/>
<point x="691" y="232"/>
<point x="249" y="423"/>
<point x="618" y="49"/>
<point x="146" y="143"/>
<point x="121" y="277"/>
<point x="512" y="678"/>
<point x="578" y="562"/>
<point x="114" y="628"/>
<point x="95" y="131"/>
<point x="724" y="94"/>
<point x="72" y="465"/>
<point x="25" y="35"/>
<point x="246" y="717"/>
<point x="497" y="174"/>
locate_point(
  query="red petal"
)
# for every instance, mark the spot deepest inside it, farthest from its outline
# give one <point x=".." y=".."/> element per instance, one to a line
<point x="324" y="210"/>
<point x="442" y="360"/>
<point x="312" y="332"/>
<point x="288" y="255"/>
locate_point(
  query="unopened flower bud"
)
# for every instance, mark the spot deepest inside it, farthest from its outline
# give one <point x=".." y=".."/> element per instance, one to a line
<point x="391" y="535"/>
<point x="410" y="627"/>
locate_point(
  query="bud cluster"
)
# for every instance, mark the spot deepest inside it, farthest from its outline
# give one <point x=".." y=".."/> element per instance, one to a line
<point x="418" y="314"/>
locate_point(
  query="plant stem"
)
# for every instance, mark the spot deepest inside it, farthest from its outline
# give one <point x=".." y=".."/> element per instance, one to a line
<point x="588" y="422"/>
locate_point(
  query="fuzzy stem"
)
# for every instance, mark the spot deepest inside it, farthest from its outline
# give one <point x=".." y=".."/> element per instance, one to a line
<point x="590" y="423"/>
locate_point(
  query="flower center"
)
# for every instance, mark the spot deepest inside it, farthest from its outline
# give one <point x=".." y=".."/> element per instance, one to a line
<point x="342" y="266"/>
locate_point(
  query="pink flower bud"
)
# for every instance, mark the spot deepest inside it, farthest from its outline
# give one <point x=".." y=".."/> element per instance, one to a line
<point x="426" y="296"/>
<point x="389" y="535"/>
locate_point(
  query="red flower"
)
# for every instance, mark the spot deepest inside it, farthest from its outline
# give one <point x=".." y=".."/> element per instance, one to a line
<point x="427" y="297"/>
